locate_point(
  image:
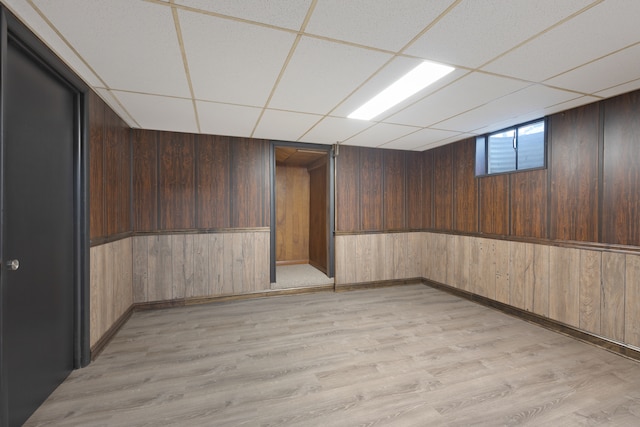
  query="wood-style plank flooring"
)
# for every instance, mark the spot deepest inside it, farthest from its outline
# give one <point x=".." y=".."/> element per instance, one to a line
<point x="401" y="356"/>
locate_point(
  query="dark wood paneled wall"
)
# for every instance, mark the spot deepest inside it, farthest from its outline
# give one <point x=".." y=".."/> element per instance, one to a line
<point x="145" y="180"/>
<point x="415" y="190"/>
<point x="589" y="192"/>
<point x="621" y="174"/>
<point x="395" y="190"/>
<point x="176" y="181"/>
<point x="494" y="205"/>
<point x="213" y="181"/>
<point x="110" y="171"/>
<point x="443" y="188"/>
<point x="465" y="201"/>
<point x="381" y="190"/>
<point x="427" y="189"/>
<point x="318" y="211"/>
<point x="573" y="158"/>
<point x="96" y="167"/>
<point x="186" y="182"/>
<point x="371" y="189"/>
<point x="348" y="189"/>
<point x="250" y="203"/>
<point x="529" y="204"/>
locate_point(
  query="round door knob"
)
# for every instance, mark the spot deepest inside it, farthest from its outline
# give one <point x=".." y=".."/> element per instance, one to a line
<point x="13" y="264"/>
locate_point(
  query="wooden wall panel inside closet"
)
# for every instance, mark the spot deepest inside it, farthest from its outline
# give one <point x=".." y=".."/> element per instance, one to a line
<point x="292" y="215"/>
<point x="318" y="212"/>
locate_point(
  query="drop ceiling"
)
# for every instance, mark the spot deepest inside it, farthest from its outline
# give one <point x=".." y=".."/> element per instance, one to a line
<point x="293" y="70"/>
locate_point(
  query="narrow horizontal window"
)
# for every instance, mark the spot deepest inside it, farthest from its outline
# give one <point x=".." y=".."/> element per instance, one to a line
<point x="513" y="149"/>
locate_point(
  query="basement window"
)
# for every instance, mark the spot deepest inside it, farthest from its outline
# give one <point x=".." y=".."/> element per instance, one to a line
<point x="517" y="148"/>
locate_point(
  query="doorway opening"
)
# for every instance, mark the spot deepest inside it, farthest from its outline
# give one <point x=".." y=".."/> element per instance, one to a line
<point x="302" y="211"/>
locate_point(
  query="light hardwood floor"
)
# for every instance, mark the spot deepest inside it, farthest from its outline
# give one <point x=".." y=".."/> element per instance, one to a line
<point x="402" y="356"/>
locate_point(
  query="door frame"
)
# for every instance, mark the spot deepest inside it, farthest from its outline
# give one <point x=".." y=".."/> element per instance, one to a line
<point x="12" y="29"/>
<point x="330" y="194"/>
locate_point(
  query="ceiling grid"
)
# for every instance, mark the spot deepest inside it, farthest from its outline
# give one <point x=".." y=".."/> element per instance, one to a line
<point x="295" y="69"/>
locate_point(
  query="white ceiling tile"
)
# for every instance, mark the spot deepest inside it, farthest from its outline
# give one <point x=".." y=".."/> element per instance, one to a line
<point x="112" y="102"/>
<point x="530" y="100"/>
<point x="284" y="125"/>
<point x="34" y="21"/>
<point x="499" y="125"/>
<point x="380" y="134"/>
<point x="225" y="119"/>
<point x="620" y="89"/>
<point x="450" y="140"/>
<point x="607" y="27"/>
<point x="467" y="93"/>
<point x="128" y="51"/>
<point x="321" y="74"/>
<point x="382" y="24"/>
<point x="420" y="138"/>
<point x="573" y="103"/>
<point x="609" y="71"/>
<point x="233" y="62"/>
<point x="334" y="129"/>
<point x="281" y="13"/>
<point x="131" y="45"/>
<point x="387" y="76"/>
<point x="475" y="32"/>
<point x="159" y="112"/>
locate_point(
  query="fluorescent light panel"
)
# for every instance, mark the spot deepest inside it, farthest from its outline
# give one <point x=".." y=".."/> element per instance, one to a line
<point x="412" y="82"/>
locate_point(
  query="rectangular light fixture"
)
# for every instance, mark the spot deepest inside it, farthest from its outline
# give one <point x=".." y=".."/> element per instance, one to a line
<point x="412" y="82"/>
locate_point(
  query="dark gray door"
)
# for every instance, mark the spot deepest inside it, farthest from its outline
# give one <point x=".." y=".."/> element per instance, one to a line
<point x="38" y="232"/>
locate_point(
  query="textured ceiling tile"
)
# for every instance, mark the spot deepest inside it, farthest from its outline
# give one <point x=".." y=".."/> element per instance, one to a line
<point x="112" y="102"/>
<point x="386" y="25"/>
<point x="465" y="94"/>
<point x="53" y="40"/>
<point x="450" y="140"/>
<point x="284" y="125"/>
<point x="531" y="100"/>
<point x="224" y="119"/>
<point x="131" y="45"/>
<point x="620" y="89"/>
<point x="609" y="71"/>
<point x="159" y="112"/>
<point x="335" y="129"/>
<point x="281" y="13"/>
<point x="477" y="31"/>
<point x="380" y="134"/>
<point x="232" y="62"/>
<point x="321" y="74"/>
<point x="573" y="103"/>
<point x="387" y="76"/>
<point x="420" y="139"/>
<point x="607" y="27"/>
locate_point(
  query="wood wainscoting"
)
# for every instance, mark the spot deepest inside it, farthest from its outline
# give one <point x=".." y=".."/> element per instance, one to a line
<point x="595" y="290"/>
<point x="591" y="289"/>
<point x="177" y="266"/>
<point x="111" y="286"/>
<point x="364" y="258"/>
